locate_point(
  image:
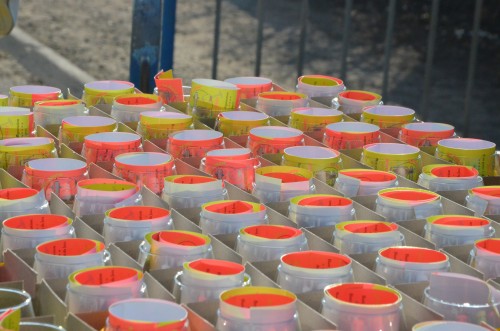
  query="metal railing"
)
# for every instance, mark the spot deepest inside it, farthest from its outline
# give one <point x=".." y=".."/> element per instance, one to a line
<point x="167" y="46"/>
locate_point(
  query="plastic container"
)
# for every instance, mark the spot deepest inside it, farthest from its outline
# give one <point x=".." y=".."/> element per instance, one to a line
<point x="484" y="200"/>
<point x="269" y="242"/>
<point x="443" y="177"/>
<point x="390" y="118"/>
<point x="106" y="146"/>
<point x="301" y="272"/>
<point x="404" y="160"/>
<point x="59" y="258"/>
<point x="205" y="279"/>
<point x="245" y="308"/>
<point x="127" y="108"/>
<point x="104" y="91"/>
<point x="209" y="97"/>
<point x="97" y="195"/>
<point x="169" y="89"/>
<point x="4" y="100"/>
<point x="355" y="182"/>
<point x="147" y="169"/>
<point x="476" y="153"/>
<point x="250" y="87"/>
<point x="313" y="119"/>
<point x="425" y="133"/>
<point x="28" y="231"/>
<point x="178" y="94"/>
<point x="406" y="264"/>
<point x="34" y="326"/>
<point x="58" y="176"/>
<point x="51" y="113"/>
<point x="317" y="210"/>
<point x="485" y="257"/>
<point x="353" y="101"/>
<point x="273" y="139"/>
<point x="21" y="201"/>
<point x="194" y="143"/>
<point x="17" y="301"/>
<point x="455" y="230"/>
<point x="172" y="248"/>
<point x="362" y="236"/>
<point x="350" y="135"/>
<point x="281" y="183"/>
<point x="462" y="298"/>
<point x="15" y="152"/>
<point x="403" y="204"/>
<point x="280" y="103"/>
<point x="363" y="306"/>
<point x="74" y="129"/>
<point x="155" y="125"/>
<point x="28" y="95"/>
<point x="147" y="314"/>
<point x="323" y="162"/>
<point x="188" y="191"/>
<point x="16" y="122"/>
<point x="319" y="86"/>
<point x="234" y="165"/>
<point x="239" y="122"/>
<point x="134" y="222"/>
<point x="229" y="216"/>
<point x="97" y="288"/>
<point x="446" y="325"/>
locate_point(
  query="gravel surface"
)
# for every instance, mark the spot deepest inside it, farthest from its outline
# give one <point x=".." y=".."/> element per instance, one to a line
<point x="95" y="36"/>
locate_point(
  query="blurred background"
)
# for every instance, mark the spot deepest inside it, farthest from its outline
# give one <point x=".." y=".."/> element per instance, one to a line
<point x="95" y="36"/>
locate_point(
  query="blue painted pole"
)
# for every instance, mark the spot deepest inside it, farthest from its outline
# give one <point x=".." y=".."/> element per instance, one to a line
<point x="168" y="34"/>
<point x="152" y="44"/>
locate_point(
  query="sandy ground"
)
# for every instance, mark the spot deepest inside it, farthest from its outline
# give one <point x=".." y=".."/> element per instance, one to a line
<point x="95" y="35"/>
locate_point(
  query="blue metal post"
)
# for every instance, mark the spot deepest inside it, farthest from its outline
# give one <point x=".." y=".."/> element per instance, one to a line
<point x="215" y="52"/>
<point x="152" y="44"/>
<point x="168" y="34"/>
